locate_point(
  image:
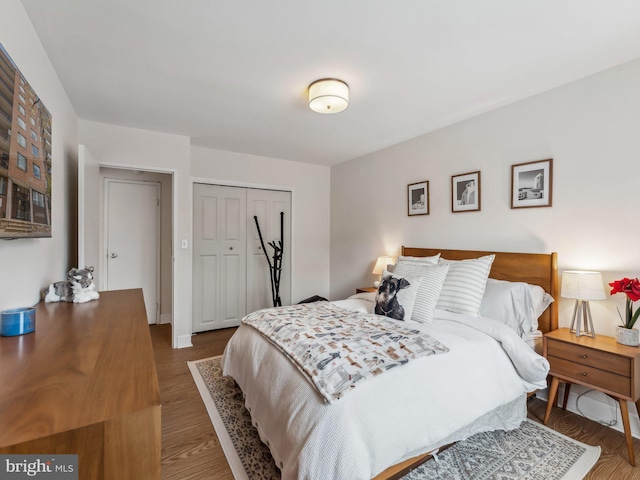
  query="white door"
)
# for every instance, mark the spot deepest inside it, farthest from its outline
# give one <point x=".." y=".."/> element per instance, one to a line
<point x="267" y="206"/>
<point x="219" y="256"/>
<point x="132" y="236"/>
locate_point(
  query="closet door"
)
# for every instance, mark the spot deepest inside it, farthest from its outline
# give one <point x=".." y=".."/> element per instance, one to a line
<point x="267" y="205"/>
<point x="219" y="256"/>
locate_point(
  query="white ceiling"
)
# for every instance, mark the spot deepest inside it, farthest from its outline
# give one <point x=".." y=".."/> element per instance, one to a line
<point x="233" y="74"/>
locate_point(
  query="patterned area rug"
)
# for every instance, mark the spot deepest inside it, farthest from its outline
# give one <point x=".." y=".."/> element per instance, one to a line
<point x="531" y="452"/>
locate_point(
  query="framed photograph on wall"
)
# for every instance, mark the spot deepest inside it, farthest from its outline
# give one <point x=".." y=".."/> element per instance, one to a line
<point x="418" y="198"/>
<point x="531" y="184"/>
<point x="465" y="192"/>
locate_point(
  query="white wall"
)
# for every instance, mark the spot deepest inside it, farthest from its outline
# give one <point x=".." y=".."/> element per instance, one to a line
<point x="89" y="221"/>
<point x="310" y="205"/>
<point x="29" y="265"/>
<point x="591" y="130"/>
<point x="123" y="147"/>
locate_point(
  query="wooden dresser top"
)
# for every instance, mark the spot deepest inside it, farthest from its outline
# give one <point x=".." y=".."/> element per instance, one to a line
<point x="85" y="363"/>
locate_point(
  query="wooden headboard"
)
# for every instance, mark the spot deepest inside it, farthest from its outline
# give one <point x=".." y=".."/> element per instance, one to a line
<point x="535" y="268"/>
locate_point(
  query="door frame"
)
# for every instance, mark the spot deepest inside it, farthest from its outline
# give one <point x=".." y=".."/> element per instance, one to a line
<point x="105" y="220"/>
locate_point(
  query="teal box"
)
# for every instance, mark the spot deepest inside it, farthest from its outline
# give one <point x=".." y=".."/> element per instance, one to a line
<point x="17" y="321"/>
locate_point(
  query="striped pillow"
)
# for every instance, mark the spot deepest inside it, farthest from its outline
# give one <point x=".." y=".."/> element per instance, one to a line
<point x="464" y="286"/>
<point x="433" y="277"/>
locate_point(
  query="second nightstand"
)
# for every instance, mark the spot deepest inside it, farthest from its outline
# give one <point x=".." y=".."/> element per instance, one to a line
<point x="599" y="363"/>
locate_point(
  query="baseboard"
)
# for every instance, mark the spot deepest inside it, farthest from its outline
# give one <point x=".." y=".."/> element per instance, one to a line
<point x="184" y="341"/>
<point x="165" y="318"/>
<point x="596" y="406"/>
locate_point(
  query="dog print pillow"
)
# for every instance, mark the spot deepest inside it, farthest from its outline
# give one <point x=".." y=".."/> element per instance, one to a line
<point x="396" y="296"/>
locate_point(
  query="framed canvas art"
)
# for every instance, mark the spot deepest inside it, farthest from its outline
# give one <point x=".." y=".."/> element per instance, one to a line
<point x="531" y="184"/>
<point x="465" y="192"/>
<point x="418" y="198"/>
<point x="25" y="156"/>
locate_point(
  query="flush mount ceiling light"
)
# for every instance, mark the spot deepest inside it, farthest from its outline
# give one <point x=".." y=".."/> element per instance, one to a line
<point x="328" y="95"/>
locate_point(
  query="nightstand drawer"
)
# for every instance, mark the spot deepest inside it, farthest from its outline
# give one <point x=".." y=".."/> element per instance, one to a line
<point x="590" y="357"/>
<point x="590" y="375"/>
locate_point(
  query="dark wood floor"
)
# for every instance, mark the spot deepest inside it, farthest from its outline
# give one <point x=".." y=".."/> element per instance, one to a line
<point x="190" y="448"/>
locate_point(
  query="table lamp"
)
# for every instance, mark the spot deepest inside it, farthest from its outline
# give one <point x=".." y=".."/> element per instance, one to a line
<point x="583" y="286"/>
<point x="381" y="265"/>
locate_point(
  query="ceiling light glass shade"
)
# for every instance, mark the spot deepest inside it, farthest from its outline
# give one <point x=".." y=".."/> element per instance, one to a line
<point x="328" y="96"/>
<point x="582" y="285"/>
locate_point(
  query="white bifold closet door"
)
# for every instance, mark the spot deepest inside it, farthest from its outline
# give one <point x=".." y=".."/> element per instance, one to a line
<point x="230" y="279"/>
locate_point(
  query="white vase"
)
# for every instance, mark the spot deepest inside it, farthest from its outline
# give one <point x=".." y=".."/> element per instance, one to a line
<point x="628" y="336"/>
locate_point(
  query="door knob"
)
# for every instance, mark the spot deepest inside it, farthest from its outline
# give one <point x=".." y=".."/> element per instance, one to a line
<point x="114" y="255"/>
<point x="230" y="248"/>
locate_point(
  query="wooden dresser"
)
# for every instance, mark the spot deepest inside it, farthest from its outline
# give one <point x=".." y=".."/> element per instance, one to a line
<point x="85" y="383"/>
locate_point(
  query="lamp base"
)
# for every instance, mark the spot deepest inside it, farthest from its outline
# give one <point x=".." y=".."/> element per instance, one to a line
<point x="582" y="314"/>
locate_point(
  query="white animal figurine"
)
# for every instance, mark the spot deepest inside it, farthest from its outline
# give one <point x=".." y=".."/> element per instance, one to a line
<point x="79" y="288"/>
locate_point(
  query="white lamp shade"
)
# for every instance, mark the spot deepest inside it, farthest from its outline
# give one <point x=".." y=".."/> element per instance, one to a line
<point x="582" y="285"/>
<point x="381" y="265"/>
<point x="328" y="96"/>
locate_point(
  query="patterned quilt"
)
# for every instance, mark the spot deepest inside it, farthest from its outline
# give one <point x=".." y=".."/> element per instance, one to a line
<point x="337" y="349"/>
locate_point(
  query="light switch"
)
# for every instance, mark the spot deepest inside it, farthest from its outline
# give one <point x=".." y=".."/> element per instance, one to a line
<point x="184" y="244"/>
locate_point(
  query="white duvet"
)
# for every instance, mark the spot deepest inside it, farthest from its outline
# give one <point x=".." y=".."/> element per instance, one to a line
<point x="478" y="385"/>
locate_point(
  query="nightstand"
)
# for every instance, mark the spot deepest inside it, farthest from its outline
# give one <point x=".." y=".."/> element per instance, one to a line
<point x="599" y="363"/>
<point x="366" y="289"/>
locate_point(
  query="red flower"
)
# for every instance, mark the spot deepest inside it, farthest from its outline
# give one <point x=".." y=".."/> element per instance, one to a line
<point x="630" y="287"/>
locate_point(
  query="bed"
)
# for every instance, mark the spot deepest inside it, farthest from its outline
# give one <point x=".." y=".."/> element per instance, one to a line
<point x="395" y="420"/>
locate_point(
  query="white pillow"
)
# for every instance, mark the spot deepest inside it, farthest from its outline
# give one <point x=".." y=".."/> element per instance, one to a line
<point x="541" y="300"/>
<point x="433" y="277"/>
<point x="509" y="303"/>
<point x="464" y="286"/>
<point x="396" y="296"/>
<point x="432" y="260"/>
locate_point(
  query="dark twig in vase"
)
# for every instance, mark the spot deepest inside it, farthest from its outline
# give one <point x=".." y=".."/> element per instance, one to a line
<point x="275" y="268"/>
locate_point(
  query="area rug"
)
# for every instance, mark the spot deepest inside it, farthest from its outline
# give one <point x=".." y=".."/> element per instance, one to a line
<point x="531" y="452"/>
